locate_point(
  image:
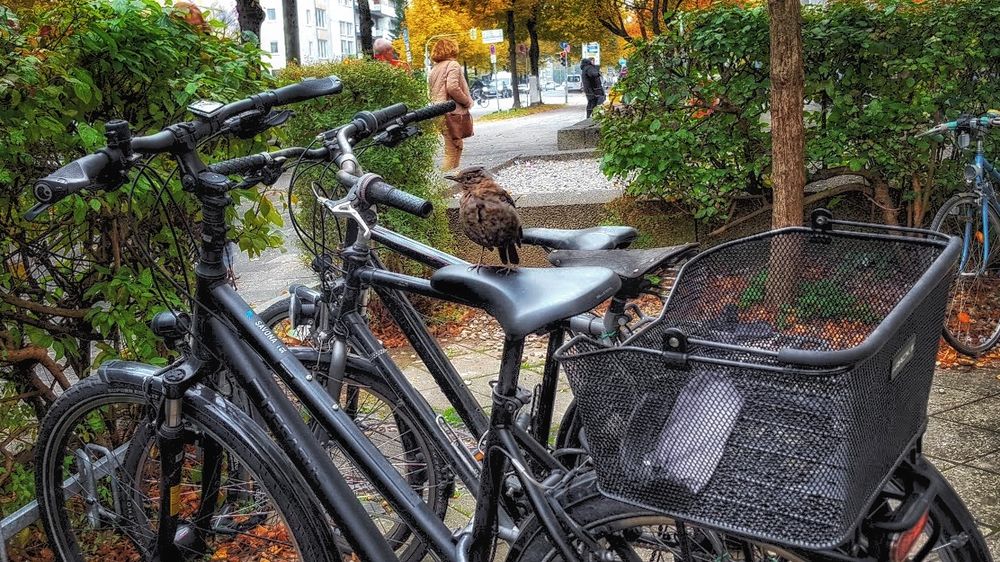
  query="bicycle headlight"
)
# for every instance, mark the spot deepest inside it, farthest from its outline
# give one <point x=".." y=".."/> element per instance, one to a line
<point x="972" y="173"/>
<point x="302" y="305"/>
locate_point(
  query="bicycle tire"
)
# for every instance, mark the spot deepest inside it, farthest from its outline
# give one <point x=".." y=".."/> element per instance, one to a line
<point x="954" y="319"/>
<point x="211" y="415"/>
<point x="605" y="517"/>
<point x="438" y="481"/>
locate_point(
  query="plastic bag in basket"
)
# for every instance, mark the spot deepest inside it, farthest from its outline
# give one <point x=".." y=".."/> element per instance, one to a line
<point x="688" y="446"/>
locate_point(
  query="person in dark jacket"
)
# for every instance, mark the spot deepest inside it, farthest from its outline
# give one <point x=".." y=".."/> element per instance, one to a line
<point x="590" y="75"/>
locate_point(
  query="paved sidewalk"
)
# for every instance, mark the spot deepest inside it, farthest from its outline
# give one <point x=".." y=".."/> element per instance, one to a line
<point x="496" y="142"/>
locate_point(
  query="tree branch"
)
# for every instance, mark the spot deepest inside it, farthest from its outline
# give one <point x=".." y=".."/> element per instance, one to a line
<point x="42" y="309"/>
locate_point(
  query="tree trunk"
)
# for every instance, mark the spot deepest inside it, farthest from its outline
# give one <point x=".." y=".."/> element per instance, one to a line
<point x="534" y="52"/>
<point x="512" y="54"/>
<point x="788" y="169"/>
<point x="290" y="12"/>
<point x="250" y="16"/>
<point x="365" y="32"/>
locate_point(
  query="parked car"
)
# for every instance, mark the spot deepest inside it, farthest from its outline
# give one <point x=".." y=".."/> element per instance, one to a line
<point x="549" y="86"/>
<point x="574" y="83"/>
<point x="523" y="88"/>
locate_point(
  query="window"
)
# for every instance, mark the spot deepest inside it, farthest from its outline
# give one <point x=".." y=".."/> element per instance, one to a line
<point x="274" y="46"/>
<point x="346" y="29"/>
<point x="347" y="47"/>
<point x="310" y="48"/>
<point x="320" y="17"/>
<point x="271" y="14"/>
<point x="348" y="3"/>
<point x="308" y="18"/>
<point x="322" y="46"/>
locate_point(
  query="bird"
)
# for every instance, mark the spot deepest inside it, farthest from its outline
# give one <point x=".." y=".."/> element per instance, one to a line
<point x="488" y="216"/>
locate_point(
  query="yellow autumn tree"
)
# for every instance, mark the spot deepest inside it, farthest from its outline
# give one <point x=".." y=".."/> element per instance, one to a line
<point x="428" y="18"/>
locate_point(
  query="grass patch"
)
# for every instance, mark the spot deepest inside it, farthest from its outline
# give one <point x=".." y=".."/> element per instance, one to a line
<point x="515" y="113"/>
<point x="451" y="417"/>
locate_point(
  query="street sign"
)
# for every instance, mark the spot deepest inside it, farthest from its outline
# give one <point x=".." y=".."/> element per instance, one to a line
<point x="622" y="62"/>
<point x="473" y="33"/>
<point x="564" y="46"/>
<point x="592" y="50"/>
<point x="492" y="36"/>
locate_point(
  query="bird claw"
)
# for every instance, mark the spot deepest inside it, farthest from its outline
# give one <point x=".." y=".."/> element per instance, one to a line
<point x="476" y="267"/>
<point x="507" y="269"/>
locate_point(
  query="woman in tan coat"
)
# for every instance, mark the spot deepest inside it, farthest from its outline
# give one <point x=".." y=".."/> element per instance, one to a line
<point x="447" y="82"/>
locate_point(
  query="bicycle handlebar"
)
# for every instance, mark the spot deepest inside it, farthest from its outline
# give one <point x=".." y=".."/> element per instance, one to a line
<point x="373" y="191"/>
<point x="962" y="123"/>
<point x="107" y="166"/>
<point x="380" y="119"/>
<point x="71" y="178"/>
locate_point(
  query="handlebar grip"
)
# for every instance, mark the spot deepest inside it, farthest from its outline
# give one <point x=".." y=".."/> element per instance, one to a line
<point x="240" y="165"/>
<point x="369" y="122"/>
<point x="306" y="90"/>
<point x="378" y="192"/>
<point x="430" y="112"/>
<point x="79" y="174"/>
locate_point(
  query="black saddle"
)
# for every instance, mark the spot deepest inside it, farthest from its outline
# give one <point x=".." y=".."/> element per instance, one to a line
<point x="628" y="264"/>
<point x="528" y="299"/>
<point x="596" y="238"/>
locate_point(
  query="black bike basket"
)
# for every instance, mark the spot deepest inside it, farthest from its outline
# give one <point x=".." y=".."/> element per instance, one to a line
<point x="785" y="379"/>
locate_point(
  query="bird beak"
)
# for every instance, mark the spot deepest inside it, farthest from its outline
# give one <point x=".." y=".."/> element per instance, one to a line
<point x="451" y="177"/>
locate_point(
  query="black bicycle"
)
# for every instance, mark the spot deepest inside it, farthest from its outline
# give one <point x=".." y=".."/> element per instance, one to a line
<point x="910" y="510"/>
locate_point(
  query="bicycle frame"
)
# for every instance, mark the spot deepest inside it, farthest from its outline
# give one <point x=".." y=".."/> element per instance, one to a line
<point x="227" y="333"/>
<point x="985" y="172"/>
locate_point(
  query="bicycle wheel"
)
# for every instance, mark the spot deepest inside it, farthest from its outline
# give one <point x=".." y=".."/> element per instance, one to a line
<point x="972" y="320"/>
<point x="92" y="509"/>
<point x="374" y="408"/>
<point x="633" y="534"/>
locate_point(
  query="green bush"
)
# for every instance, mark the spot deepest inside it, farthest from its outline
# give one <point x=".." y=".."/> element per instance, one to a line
<point x="370" y="85"/>
<point x="695" y="130"/>
<point x="80" y="274"/>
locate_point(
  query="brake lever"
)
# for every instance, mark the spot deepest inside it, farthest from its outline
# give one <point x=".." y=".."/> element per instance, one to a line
<point x="344" y="208"/>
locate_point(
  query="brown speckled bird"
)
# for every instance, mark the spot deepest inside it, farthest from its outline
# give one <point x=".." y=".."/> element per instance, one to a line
<point x="488" y="215"/>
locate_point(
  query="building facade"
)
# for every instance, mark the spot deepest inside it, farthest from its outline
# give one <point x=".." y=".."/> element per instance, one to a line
<point x="328" y="29"/>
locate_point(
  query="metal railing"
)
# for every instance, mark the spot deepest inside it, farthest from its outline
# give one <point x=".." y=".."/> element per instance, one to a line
<point x="28" y="515"/>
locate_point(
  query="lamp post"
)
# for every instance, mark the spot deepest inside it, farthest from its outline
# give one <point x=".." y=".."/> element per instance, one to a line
<point x="427" y="56"/>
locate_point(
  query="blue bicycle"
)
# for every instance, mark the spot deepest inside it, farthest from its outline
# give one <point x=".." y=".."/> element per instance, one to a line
<point x="972" y="321"/>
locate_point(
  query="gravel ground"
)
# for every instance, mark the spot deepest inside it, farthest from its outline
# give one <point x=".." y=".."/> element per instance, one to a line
<point x="552" y="182"/>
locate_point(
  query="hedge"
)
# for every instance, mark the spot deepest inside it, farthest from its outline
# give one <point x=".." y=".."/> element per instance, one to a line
<point x="80" y="275"/>
<point x="370" y="85"/>
<point x="695" y="131"/>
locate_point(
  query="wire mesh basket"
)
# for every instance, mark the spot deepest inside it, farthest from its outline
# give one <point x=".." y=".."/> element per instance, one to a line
<point x="786" y="377"/>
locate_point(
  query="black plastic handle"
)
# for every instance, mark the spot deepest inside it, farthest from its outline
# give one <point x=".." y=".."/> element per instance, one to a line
<point x="378" y="192"/>
<point x="79" y="174"/>
<point x="370" y="122"/>
<point x="305" y="90"/>
<point x="430" y="112"/>
<point x="240" y="165"/>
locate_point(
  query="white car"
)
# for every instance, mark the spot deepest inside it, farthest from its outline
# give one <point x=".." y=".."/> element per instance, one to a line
<point x="574" y="83"/>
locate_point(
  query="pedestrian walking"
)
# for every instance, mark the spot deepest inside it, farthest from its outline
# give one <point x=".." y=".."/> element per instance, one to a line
<point x="590" y="75"/>
<point x="447" y="82"/>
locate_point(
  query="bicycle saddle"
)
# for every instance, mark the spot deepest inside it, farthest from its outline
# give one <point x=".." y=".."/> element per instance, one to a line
<point x="628" y="264"/>
<point x="528" y="299"/>
<point x="596" y="238"/>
